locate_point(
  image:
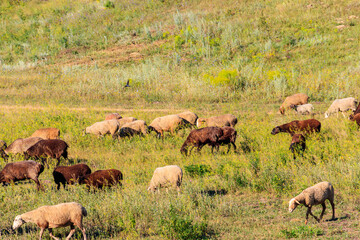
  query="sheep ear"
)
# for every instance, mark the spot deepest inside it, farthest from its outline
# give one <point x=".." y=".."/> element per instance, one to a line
<point x="297" y="202"/>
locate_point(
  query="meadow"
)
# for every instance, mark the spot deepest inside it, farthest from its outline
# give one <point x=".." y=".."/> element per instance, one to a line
<point x="64" y="64"/>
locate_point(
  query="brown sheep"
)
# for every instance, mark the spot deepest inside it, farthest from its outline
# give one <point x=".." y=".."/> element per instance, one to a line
<point x="69" y="174"/>
<point x="17" y="171"/>
<point x="305" y="126"/>
<point x="113" y="116"/>
<point x="201" y="137"/>
<point x="102" y="178"/>
<point x="357" y="110"/>
<point x="297" y="145"/>
<point x="47" y="133"/>
<point x="53" y="148"/>
<point x="296" y="99"/>
<point x="227" y="120"/>
<point x="355" y="118"/>
<point x="228" y="137"/>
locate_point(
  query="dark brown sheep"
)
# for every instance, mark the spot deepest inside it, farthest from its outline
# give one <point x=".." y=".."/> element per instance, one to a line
<point x="355" y="117"/>
<point x="17" y="171"/>
<point x="228" y="137"/>
<point x="53" y="148"/>
<point x="201" y="137"/>
<point x="70" y="174"/>
<point x="298" y="144"/>
<point x="102" y="178"/>
<point x="305" y="126"/>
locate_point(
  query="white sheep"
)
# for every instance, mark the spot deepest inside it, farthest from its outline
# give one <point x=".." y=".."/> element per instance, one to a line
<point x="227" y="120"/>
<point x="104" y="127"/>
<point x="165" y="176"/>
<point x="138" y="125"/>
<point x="49" y="217"/>
<point x="169" y="123"/>
<point x="314" y="195"/>
<point x="341" y="105"/>
<point x="303" y="109"/>
<point x="189" y="116"/>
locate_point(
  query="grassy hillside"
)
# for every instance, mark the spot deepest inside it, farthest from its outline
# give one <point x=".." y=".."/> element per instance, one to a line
<point x="187" y="51"/>
<point x="64" y="64"/>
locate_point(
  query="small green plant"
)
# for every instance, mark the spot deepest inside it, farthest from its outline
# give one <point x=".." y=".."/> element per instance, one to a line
<point x="197" y="170"/>
<point x="302" y="232"/>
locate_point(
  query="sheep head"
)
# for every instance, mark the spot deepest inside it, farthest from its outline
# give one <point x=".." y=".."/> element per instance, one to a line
<point x="326" y="115"/>
<point x="293" y="203"/>
<point x="18" y="222"/>
<point x="200" y="121"/>
<point x="276" y="130"/>
<point x="282" y="110"/>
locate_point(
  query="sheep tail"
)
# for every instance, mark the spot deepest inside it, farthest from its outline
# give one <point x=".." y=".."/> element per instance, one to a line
<point x="40" y="168"/>
<point x="83" y="211"/>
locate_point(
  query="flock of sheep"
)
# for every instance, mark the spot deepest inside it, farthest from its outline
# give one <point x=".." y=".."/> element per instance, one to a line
<point x="215" y="131"/>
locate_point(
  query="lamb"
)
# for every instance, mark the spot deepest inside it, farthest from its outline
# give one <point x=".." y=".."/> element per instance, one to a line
<point x="297" y="144"/>
<point x="356" y="118"/>
<point x="314" y="195"/>
<point x="113" y="116"/>
<point x="303" y="109"/>
<point x="104" y="127"/>
<point x="201" y="137"/>
<point x="47" y="133"/>
<point x="341" y="105"/>
<point x="296" y="99"/>
<point x="125" y="120"/>
<point x="189" y="116"/>
<point x="49" y="217"/>
<point x="102" y="178"/>
<point x="228" y="120"/>
<point x="165" y="176"/>
<point x="17" y="171"/>
<point x="169" y="123"/>
<point x="53" y="148"/>
<point x="70" y="174"/>
<point x="20" y="145"/>
<point x="306" y="126"/>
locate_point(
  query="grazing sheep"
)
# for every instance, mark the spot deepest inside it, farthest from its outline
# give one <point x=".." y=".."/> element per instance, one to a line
<point x="169" y="123"/>
<point x="341" y="105"/>
<point x="228" y="137"/>
<point x="49" y="217"/>
<point x="297" y="144"/>
<point x="70" y="174"/>
<point x="138" y="125"/>
<point x="227" y="120"/>
<point x="47" y="133"/>
<point x="113" y="116"/>
<point x="201" y="137"/>
<point x="20" y="145"/>
<point x="102" y="178"/>
<point x="53" y="148"/>
<point x="164" y="176"/>
<point x="17" y="171"/>
<point x="356" y="118"/>
<point x="126" y="132"/>
<point x="303" y="109"/>
<point x="125" y="120"/>
<point x="189" y="116"/>
<point x="305" y="126"/>
<point x="296" y="99"/>
<point x="314" y="195"/>
<point x="104" y="127"/>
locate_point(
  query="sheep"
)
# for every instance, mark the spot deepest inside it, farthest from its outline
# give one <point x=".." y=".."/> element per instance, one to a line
<point x="296" y="99"/>
<point x="341" y="105"/>
<point x="103" y="128"/>
<point x="303" y="109"/>
<point x="47" y="133"/>
<point x="20" y="145"/>
<point x="3" y="146"/>
<point x="201" y="137"/>
<point x="53" y="148"/>
<point x="356" y="118"/>
<point x="138" y="125"/>
<point x="228" y="137"/>
<point x="126" y="132"/>
<point x="169" y="123"/>
<point x="49" y="217"/>
<point x="125" y="120"/>
<point x="17" y="171"/>
<point x="69" y="174"/>
<point x="113" y="116"/>
<point x="164" y="176"/>
<point x="189" y="116"/>
<point x="102" y="178"/>
<point x="356" y="111"/>
<point x="314" y="195"/>
<point x="297" y="144"/>
<point x="306" y="126"/>
<point x="228" y="120"/>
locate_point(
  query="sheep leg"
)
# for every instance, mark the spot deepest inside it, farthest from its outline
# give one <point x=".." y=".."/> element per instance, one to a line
<point x="41" y="233"/>
<point x="51" y="234"/>
<point x="234" y="146"/>
<point x="37" y="183"/>
<point x="333" y="209"/>
<point x="309" y="212"/>
<point x="72" y="231"/>
<point x="323" y="211"/>
<point x="343" y="114"/>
